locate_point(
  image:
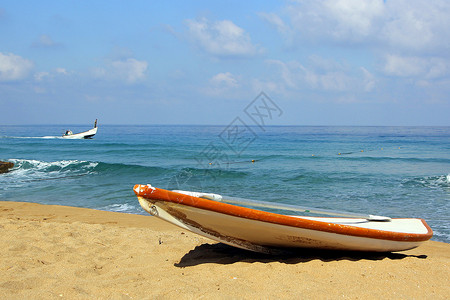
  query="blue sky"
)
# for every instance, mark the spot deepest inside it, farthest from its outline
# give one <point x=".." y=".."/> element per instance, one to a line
<point x="340" y="62"/>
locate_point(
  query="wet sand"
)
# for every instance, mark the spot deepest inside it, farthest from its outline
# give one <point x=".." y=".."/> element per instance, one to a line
<point x="57" y="252"/>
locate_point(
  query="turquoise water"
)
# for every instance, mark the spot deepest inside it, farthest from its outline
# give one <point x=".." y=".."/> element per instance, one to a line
<point x="390" y="171"/>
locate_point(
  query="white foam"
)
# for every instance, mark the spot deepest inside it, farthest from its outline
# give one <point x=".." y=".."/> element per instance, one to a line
<point x="433" y="181"/>
<point x="34" y="137"/>
<point x="28" y="169"/>
<point x="125" y="207"/>
<point x="443" y="180"/>
<point x="42" y="165"/>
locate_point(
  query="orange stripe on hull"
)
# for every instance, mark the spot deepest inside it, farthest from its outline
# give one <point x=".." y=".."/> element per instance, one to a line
<point x="156" y="194"/>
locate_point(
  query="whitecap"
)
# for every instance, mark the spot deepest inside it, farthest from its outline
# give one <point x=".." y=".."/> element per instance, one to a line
<point x="443" y="180"/>
<point x="430" y="181"/>
<point x="33" y="170"/>
<point x="124" y="208"/>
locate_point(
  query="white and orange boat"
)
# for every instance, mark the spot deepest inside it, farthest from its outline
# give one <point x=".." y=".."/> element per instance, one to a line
<point x="211" y="216"/>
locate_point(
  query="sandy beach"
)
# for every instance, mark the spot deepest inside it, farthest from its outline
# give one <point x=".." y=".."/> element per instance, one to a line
<point x="57" y="252"/>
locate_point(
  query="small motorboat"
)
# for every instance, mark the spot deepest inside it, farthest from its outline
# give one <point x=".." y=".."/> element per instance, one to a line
<point x="82" y="135"/>
<point x="213" y="216"/>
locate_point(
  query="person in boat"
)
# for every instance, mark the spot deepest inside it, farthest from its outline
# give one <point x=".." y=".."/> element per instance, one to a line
<point x="68" y="132"/>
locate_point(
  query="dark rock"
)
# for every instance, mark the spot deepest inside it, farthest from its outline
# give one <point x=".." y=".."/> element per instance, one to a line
<point x="5" y="166"/>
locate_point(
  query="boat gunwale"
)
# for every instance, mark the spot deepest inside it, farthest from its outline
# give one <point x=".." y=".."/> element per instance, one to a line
<point x="156" y="194"/>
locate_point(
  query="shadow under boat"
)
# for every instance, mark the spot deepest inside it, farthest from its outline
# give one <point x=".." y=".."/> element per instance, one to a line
<point x="220" y="253"/>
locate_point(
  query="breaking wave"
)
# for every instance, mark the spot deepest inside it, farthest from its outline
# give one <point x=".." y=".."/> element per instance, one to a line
<point x="442" y="181"/>
<point x="40" y="170"/>
<point x="42" y="165"/>
<point x="124" y="208"/>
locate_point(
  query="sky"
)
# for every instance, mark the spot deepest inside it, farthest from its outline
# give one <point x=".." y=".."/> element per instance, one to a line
<point x="336" y="62"/>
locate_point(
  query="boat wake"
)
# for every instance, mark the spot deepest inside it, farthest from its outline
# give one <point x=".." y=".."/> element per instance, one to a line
<point x="33" y="137"/>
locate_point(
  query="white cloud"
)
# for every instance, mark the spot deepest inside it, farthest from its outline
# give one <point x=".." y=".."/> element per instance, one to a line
<point x="322" y="75"/>
<point x="129" y="70"/>
<point x="369" y="80"/>
<point x="132" y="69"/>
<point x="45" y="41"/>
<point x="403" y="66"/>
<point x="223" y="85"/>
<point x="414" y="66"/>
<point x="220" y="38"/>
<point x="417" y="25"/>
<point x="292" y="73"/>
<point x="406" y="38"/>
<point x="61" y="71"/>
<point x="405" y="24"/>
<point x="41" y="76"/>
<point x="353" y="17"/>
<point x="258" y="85"/>
<point x="276" y="21"/>
<point x="336" y="81"/>
<point x="224" y="79"/>
<point x="349" y="20"/>
<point x="14" y="67"/>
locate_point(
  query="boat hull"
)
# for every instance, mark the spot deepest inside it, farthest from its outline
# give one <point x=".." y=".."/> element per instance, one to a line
<point x="263" y="231"/>
<point x="82" y="135"/>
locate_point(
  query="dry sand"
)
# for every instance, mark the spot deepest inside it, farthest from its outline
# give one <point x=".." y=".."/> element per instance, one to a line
<point x="54" y="252"/>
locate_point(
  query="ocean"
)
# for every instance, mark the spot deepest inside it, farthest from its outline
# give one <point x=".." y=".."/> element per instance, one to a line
<point x="388" y="171"/>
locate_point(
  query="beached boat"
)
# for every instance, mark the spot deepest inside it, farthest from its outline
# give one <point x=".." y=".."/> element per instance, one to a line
<point x="89" y="134"/>
<point x="209" y="215"/>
